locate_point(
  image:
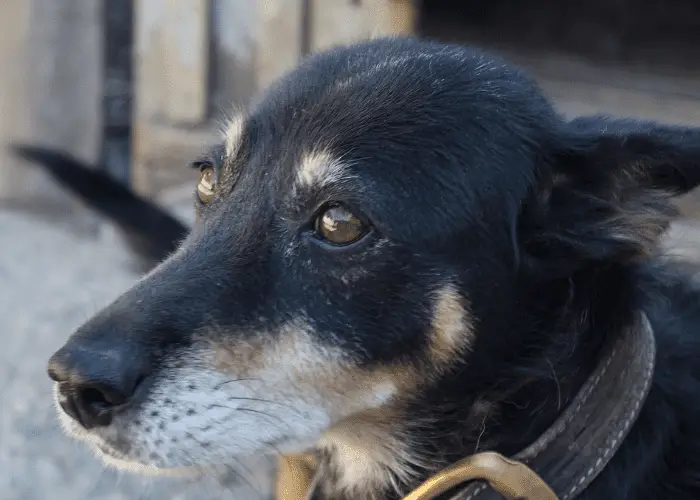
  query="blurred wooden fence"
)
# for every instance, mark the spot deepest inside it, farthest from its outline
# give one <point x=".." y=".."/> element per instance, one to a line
<point x="195" y="58"/>
<point x="144" y="97"/>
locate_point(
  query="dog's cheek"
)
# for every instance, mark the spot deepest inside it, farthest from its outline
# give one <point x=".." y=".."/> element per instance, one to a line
<point x="300" y="367"/>
<point x="196" y="416"/>
<point x="247" y="397"/>
<point x="275" y="390"/>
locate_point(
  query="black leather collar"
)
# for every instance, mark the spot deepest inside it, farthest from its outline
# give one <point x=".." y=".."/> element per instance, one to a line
<point x="585" y="437"/>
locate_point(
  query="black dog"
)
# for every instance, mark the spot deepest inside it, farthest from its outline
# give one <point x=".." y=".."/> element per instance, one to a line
<point x="404" y="256"/>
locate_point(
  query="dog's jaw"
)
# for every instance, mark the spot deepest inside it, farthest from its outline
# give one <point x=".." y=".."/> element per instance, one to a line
<point x="100" y="443"/>
<point x="198" y="418"/>
<point x="217" y="404"/>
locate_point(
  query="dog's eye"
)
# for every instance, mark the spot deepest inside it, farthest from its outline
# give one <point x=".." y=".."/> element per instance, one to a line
<point x="339" y="226"/>
<point x="206" y="184"/>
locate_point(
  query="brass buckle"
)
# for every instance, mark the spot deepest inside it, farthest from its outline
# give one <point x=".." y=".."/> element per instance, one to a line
<point x="295" y="475"/>
<point x="514" y="480"/>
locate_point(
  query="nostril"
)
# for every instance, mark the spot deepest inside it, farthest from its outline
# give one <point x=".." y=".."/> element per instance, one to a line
<point x="137" y="383"/>
<point x="91" y="392"/>
<point x="93" y="405"/>
<point x="53" y="375"/>
<point x="99" y="399"/>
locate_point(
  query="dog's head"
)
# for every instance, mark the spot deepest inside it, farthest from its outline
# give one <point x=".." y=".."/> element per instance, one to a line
<point x="368" y="241"/>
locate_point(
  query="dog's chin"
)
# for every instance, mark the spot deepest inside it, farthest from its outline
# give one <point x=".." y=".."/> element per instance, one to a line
<point x="112" y="458"/>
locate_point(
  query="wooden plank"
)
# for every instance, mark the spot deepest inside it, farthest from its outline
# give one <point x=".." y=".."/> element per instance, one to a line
<point x="171" y="67"/>
<point x="400" y="18"/>
<point x="234" y="50"/>
<point x="282" y="34"/>
<point x="149" y="81"/>
<point x="335" y="22"/>
<point x="52" y="83"/>
<point x="186" y="60"/>
<point x="149" y="67"/>
<point x="279" y="38"/>
<point x="164" y="152"/>
<point x="15" y="40"/>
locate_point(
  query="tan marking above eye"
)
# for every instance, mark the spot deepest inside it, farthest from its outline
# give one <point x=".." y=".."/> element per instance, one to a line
<point x="339" y="226"/>
<point x="207" y="184"/>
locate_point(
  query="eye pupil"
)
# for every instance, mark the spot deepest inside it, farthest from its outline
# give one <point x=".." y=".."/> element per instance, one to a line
<point x="339" y="226"/>
<point x="206" y="185"/>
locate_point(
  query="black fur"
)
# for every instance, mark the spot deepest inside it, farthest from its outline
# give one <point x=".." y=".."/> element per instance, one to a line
<point x="151" y="232"/>
<point x="468" y="176"/>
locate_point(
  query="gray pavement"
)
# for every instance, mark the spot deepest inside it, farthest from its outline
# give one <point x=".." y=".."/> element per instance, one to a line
<point x="52" y="278"/>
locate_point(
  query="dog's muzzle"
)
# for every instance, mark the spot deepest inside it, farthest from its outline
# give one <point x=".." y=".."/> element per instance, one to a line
<point x="563" y="461"/>
<point x="95" y="382"/>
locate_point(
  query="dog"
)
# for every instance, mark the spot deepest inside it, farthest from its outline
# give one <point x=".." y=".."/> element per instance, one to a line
<point x="404" y="256"/>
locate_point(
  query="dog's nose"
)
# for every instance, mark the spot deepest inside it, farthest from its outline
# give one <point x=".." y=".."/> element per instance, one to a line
<point x="93" y="385"/>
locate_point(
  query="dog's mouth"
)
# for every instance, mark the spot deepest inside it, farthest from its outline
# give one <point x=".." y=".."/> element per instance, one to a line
<point x="115" y="458"/>
<point x="170" y="439"/>
<point x="115" y="450"/>
<point x="112" y="451"/>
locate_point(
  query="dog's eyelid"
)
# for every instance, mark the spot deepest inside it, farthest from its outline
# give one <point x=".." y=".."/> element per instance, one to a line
<point x="346" y="204"/>
<point x="201" y="164"/>
<point x="213" y="159"/>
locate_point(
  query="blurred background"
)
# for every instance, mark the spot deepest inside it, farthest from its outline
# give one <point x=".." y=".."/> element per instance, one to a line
<point x="117" y="96"/>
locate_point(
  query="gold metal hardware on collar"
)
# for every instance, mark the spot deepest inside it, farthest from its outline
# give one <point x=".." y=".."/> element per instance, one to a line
<point x="514" y="480"/>
<point x="295" y="475"/>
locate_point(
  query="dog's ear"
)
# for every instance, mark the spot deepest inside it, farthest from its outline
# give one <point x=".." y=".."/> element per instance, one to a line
<point x="604" y="193"/>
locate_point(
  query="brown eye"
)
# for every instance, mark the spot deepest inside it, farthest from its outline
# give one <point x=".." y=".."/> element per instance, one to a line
<point x="206" y="184"/>
<point x="339" y="226"/>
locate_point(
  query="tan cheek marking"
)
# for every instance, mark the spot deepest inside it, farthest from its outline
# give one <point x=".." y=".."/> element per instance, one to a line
<point x="292" y="358"/>
<point x="327" y="375"/>
<point x="363" y="406"/>
<point x="242" y="358"/>
<point x="290" y="361"/>
<point x="368" y="444"/>
<point x="369" y="452"/>
<point x="452" y="328"/>
<point x="319" y="168"/>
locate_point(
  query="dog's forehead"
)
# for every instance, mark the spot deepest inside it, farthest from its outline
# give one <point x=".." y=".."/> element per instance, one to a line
<point x="388" y="107"/>
<point x="352" y="97"/>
